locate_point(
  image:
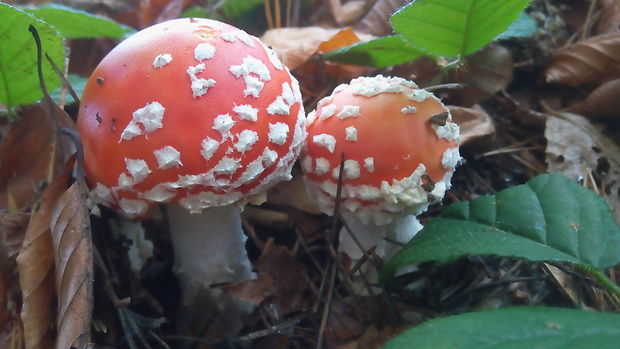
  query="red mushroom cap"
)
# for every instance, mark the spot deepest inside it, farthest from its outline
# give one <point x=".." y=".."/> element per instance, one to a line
<point x="189" y="111"/>
<point x="400" y="147"/>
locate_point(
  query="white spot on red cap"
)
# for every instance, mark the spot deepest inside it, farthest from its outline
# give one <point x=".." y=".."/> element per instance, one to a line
<point x="351" y="170"/>
<point x="420" y="95"/>
<point x="244" y="37"/>
<point x="273" y="58"/>
<point x="349" y="111"/>
<point x="204" y="51"/>
<point x="450" y="131"/>
<point x="246" y="112"/>
<point x="450" y="158"/>
<point x="326" y="141"/>
<point x="167" y="157"/>
<point x="327" y="111"/>
<point x="162" y="60"/>
<point x="208" y="147"/>
<point x="125" y="181"/>
<point x="223" y="123"/>
<point x="287" y="94"/>
<point x="138" y="169"/>
<point x="134" y="208"/>
<point x="199" y="86"/>
<point x="254" y="84"/>
<point x="351" y="133"/>
<point x="269" y="157"/>
<point x="252" y="170"/>
<point x="307" y="164"/>
<point x="149" y="116"/>
<point x="369" y="164"/>
<point x="278" y="107"/>
<point x="278" y="133"/>
<point x="322" y="166"/>
<point x="227" y="166"/>
<point x="245" y="140"/>
<point x="409" y="110"/>
<point x="160" y="193"/>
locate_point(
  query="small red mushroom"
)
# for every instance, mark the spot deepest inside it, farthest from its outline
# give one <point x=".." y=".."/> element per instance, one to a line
<point x="199" y="114"/>
<point x="400" y="149"/>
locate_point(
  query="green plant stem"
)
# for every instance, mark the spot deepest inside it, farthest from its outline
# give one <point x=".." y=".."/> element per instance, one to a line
<point x="603" y="279"/>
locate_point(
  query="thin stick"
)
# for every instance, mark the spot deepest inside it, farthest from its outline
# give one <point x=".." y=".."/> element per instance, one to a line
<point x="268" y="14"/>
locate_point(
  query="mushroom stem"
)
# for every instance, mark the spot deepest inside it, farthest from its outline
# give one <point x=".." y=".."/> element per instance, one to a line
<point x="387" y="239"/>
<point x="209" y="248"/>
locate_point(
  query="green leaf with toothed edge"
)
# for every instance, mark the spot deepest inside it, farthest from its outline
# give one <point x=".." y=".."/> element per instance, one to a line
<point x="454" y="28"/>
<point x="550" y="218"/>
<point x="380" y="52"/>
<point x="514" y="328"/>
<point x="19" y="80"/>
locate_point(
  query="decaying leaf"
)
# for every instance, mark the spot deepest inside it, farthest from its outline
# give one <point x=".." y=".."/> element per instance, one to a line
<point x="609" y="20"/>
<point x="593" y="60"/>
<point x="347" y="12"/>
<point x="25" y="157"/>
<point x="484" y="73"/>
<point x="296" y="45"/>
<point x="603" y="103"/>
<point x="377" y="20"/>
<point x="477" y="129"/>
<point x="35" y="264"/>
<point x="575" y="148"/>
<point x="71" y="237"/>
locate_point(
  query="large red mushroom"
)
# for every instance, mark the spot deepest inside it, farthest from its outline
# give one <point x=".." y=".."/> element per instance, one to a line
<point x="400" y="149"/>
<point x="200" y="115"/>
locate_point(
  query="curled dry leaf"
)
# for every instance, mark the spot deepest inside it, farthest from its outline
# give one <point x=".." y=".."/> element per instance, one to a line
<point x="575" y="148"/>
<point x="484" y="73"/>
<point x="296" y="45"/>
<point x="25" y="157"/>
<point x="72" y="242"/>
<point x="35" y="264"/>
<point x="477" y="129"/>
<point x="377" y="20"/>
<point x="609" y="20"/>
<point x="593" y="60"/>
<point x="348" y="12"/>
<point x="603" y="103"/>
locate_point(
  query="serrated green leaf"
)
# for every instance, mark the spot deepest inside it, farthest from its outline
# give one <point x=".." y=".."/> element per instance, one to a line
<point x="380" y="53"/>
<point x="19" y="81"/>
<point x="72" y="23"/>
<point x="455" y="28"/>
<point x="523" y="27"/>
<point x="551" y="218"/>
<point x="513" y="328"/>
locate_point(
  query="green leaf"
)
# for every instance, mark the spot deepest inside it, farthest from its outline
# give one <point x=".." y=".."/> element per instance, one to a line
<point x="380" y="53"/>
<point x="72" y="23"/>
<point x="453" y="28"/>
<point x="523" y="27"/>
<point x="513" y="328"/>
<point x="19" y="81"/>
<point x="551" y="218"/>
<point x="77" y="82"/>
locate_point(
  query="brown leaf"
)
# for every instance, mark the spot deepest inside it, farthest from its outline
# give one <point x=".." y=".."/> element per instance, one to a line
<point x="593" y="60"/>
<point x="35" y="264"/>
<point x="609" y="20"/>
<point x="348" y="12"/>
<point x="25" y="157"/>
<point x="484" y="73"/>
<point x="72" y="241"/>
<point x="603" y="103"/>
<point x="477" y="129"/>
<point x="377" y="20"/>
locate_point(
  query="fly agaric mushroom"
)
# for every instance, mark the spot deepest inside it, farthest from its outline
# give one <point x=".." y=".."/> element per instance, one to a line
<point x="198" y="114"/>
<point x="400" y="149"/>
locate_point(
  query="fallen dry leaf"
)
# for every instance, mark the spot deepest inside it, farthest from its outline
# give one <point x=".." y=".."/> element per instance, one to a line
<point x="72" y="242"/>
<point x="593" y="60"/>
<point x="35" y="264"/>
<point x="296" y="45"/>
<point x="377" y="21"/>
<point x="477" y="129"/>
<point x="484" y="73"/>
<point x="348" y="12"/>
<point x="603" y="103"/>
<point x="609" y="20"/>
<point x="25" y="157"/>
<point x="575" y="148"/>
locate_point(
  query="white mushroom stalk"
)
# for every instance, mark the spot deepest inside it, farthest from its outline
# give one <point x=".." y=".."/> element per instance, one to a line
<point x="201" y="116"/>
<point x="400" y="150"/>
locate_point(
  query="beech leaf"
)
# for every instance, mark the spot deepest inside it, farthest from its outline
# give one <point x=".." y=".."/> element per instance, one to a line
<point x="72" y="241"/>
<point x="550" y="218"/>
<point x="593" y="60"/>
<point x="518" y="327"/>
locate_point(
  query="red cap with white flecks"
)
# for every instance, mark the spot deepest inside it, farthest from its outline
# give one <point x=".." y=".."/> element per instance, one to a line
<point x="400" y="149"/>
<point x="189" y="111"/>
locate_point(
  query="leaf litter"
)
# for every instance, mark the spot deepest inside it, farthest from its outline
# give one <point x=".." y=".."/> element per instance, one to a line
<point x="511" y="136"/>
